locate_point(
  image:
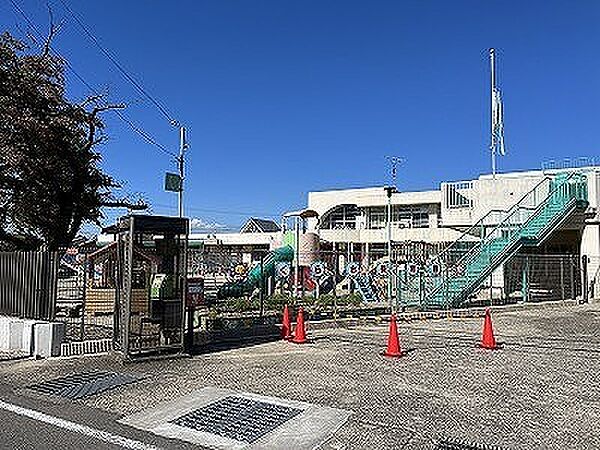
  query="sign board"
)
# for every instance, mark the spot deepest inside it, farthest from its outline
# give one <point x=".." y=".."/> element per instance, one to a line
<point x="283" y="270"/>
<point x="172" y="182"/>
<point x="383" y="269"/>
<point x="353" y="269"/>
<point x="413" y="269"/>
<point x="317" y="269"/>
<point x="435" y="269"/>
<point x="194" y="295"/>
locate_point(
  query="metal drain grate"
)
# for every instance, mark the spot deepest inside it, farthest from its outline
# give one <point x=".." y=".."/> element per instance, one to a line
<point x="461" y="445"/>
<point x="84" y="384"/>
<point x="238" y="418"/>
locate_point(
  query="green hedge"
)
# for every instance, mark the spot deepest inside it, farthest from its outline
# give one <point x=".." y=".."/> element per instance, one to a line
<point x="276" y="302"/>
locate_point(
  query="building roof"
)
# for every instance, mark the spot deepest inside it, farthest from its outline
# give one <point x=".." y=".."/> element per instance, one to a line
<point x="255" y="225"/>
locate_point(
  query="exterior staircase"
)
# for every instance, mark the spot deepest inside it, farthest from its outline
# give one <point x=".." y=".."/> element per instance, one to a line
<point x="498" y="235"/>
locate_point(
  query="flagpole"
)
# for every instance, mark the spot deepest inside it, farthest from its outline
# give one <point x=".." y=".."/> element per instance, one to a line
<point x="492" y="112"/>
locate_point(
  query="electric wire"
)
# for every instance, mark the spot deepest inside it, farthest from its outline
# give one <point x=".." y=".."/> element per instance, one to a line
<point x="159" y="106"/>
<point x="136" y="128"/>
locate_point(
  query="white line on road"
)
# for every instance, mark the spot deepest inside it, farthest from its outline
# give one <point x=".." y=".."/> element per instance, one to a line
<point x="105" y="436"/>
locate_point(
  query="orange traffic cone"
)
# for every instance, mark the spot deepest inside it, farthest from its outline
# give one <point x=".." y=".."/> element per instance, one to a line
<point x="286" y="328"/>
<point x="393" y="345"/>
<point x="300" y="333"/>
<point x="487" y="339"/>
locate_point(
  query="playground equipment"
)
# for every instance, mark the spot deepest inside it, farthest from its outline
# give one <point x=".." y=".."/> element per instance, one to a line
<point x="301" y="248"/>
<point x="257" y="274"/>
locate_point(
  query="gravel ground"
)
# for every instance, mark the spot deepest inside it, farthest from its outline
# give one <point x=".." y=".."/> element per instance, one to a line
<point x="542" y="390"/>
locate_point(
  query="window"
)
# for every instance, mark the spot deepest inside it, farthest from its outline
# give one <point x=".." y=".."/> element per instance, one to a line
<point x="457" y="195"/>
<point x="342" y="217"/>
<point x="376" y="217"/>
<point x="409" y="216"/>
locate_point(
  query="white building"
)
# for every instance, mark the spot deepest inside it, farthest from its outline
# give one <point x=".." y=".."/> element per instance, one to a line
<point x="354" y="222"/>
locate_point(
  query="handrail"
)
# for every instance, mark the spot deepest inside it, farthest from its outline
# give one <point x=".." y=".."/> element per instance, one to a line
<point x="465" y="260"/>
<point x="478" y="223"/>
<point x="518" y="207"/>
<point x="508" y="212"/>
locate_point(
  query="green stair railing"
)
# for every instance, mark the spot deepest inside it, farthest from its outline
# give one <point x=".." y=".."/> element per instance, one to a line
<point x="528" y="222"/>
<point x="414" y="289"/>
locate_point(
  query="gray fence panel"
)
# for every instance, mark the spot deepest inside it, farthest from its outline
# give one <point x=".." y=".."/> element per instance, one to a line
<point x="28" y="284"/>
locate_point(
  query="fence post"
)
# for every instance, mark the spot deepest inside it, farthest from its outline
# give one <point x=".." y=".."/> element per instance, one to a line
<point x="262" y="285"/>
<point x="584" y="264"/>
<point x="562" y="278"/>
<point x="492" y="289"/>
<point x="83" y="295"/>
<point x="573" y="272"/>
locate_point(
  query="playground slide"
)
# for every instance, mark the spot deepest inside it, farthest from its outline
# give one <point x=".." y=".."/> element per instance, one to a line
<point x="256" y="275"/>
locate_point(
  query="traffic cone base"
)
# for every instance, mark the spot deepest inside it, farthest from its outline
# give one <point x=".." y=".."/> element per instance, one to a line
<point x="393" y="355"/>
<point x="488" y="341"/>
<point x="393" y="346"/>
<point x="286" y="327"/>
<point x="300" y="332"/>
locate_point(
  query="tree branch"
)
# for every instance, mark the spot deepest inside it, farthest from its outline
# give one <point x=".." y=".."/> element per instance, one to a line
<point x="92" y="121"/>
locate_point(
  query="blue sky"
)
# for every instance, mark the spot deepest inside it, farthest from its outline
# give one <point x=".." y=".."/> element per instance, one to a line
<point x="284" y="97"/>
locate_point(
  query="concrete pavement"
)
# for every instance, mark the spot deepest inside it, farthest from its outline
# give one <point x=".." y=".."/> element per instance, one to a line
<point x="541" y="391"/>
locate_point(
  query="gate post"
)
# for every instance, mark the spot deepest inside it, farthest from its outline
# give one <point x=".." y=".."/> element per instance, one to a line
<point x="585" y="292"/>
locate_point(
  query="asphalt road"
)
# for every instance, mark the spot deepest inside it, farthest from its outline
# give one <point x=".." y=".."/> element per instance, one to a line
<point x="23" y="433"/>
<point x="30" y="422"/>
<point x="541" y="391"/>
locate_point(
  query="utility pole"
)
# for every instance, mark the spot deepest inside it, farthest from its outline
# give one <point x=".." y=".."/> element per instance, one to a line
<point x="180" y="165"/>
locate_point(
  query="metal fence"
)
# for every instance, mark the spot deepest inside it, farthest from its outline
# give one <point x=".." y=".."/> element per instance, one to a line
<point x="85" y="298"/>
<point x="28" y="284"/>
<point x="79" y="289"/>
<point x="535" y="278"/>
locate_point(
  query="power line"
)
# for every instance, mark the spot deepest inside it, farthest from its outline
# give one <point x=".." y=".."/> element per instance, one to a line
<point x="118" y="65"/>
<point x="136" y="128"/>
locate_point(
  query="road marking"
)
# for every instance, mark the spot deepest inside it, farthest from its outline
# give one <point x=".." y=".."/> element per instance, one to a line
<point x="105" y="436"/>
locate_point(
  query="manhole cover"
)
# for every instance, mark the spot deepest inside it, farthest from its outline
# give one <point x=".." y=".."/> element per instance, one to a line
<point x="461" y="445"/>
<point x="84" y="384"/>
<point x="238" y="418"/>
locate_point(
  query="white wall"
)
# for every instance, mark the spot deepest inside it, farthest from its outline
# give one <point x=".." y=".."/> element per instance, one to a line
<point x="590" y="239"/>
<point x="322" y="202"/>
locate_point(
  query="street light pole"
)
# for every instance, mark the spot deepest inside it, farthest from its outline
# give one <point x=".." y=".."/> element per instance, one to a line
<point x="297" y="251"/>
<point x="389" y="190"/>
<point x="394" y="161"/>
